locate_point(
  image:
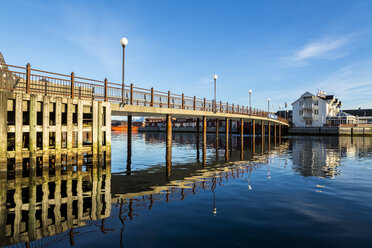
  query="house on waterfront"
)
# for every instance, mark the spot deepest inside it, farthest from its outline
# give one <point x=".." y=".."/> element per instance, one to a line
<point x="312" y="110"/>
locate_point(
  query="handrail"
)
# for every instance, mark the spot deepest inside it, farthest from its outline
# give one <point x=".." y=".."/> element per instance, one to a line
<point x="74" y="86"/>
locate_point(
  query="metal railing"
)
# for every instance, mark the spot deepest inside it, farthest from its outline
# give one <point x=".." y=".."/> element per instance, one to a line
<point x="29" y="80"/>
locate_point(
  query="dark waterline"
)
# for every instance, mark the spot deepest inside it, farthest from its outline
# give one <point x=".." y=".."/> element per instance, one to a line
<point x="296" y="192"/>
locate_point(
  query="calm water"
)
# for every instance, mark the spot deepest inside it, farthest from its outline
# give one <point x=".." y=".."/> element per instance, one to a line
<point x="297" y="192"/>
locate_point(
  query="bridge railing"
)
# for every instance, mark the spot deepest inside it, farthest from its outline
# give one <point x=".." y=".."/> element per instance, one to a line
<point x="30" y="80"/>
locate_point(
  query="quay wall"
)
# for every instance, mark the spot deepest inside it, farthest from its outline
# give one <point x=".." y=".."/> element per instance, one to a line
<point x="336" y="131"/>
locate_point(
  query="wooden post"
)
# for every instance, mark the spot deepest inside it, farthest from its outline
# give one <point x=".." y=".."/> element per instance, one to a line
<point x="131" y="94"/>
<point x="3" y="137"/>
<point x="28" y="78"/>
<point x="69" y="123"/>
<point x="280" y="131"/>
<point x="204" y="104"/>
<point x="227" y="107"/>
<point x="253" y="129"/>
<point x="233" y="110"/>
<point x="220" y="106"/>
<point x="269" y="129"/>
<point x="32" y="119"/>
<point x="227" y="139"/>
<point x="262" y="130"/>
<point x="95" y="128"/>
<point x="183" y="101"/>
<point x="217" y="127"/>
<point x="58" y="124"/>
<point x="45" y="126"/>
<point x="169" y="99"/>
<point x="168" y="156"/>
<point x="194" y="103"/>
<point x="99" y="129"/>
<point x="204" y="129"/>
<point x="106" y="95"/>
<point x="72" y="85"/>
<point x="108" y="129"/>
<point x="275" y="131"/>
<point x="152" y="97"/>
<point x="204" y="139"/>
<point x="80" y="125"/>
<point x="18" y="134"/>
<point x="129" y="143"/>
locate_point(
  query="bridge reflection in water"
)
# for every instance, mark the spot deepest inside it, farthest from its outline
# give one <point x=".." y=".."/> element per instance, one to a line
<point x="47" y="207"/>
<point x="75" y="195"/>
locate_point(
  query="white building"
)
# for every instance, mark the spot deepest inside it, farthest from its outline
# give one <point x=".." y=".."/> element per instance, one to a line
<point x="312" y="110"/>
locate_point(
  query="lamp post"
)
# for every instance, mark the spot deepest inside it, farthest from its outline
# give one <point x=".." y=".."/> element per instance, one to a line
<point x="215" y="79"/>
<point x="250" y="101"/>
<point x="268" y="105"/>
<point x="124" y="42"/>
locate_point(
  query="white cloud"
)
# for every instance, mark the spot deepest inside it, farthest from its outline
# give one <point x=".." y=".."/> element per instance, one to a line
<point x="327" y="48"/>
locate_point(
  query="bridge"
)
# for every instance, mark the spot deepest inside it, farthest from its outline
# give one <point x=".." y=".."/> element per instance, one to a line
<point x="42" y="111"/>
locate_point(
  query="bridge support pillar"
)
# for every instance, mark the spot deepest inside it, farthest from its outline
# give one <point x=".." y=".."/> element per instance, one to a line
<point x="275" y="134"/>
<point x="217" y="126"/>
<point x="269" y="129"/>
<point x="262" y="130"/>
<point x="168" y="156"/>
<point x="129" y="144"/>
<point x="227" y="139"/>
<point x="280" y="132"/>
<point x="197" y="139"/>
<point x="241" y="139"/>
<point x="253" y="129"/>
<point x="204" y="140"/>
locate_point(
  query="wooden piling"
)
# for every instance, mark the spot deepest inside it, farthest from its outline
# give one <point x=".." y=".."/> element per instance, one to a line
<point x="168" y="156"/>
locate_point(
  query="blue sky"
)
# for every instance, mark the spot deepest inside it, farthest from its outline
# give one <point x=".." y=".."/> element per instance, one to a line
<point x="279" y="49"/>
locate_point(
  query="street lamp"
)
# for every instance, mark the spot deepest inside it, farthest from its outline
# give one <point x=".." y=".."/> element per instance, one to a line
<point x="250" y="101"/>
<point x="268" y="105"/>
<point x="215" y="79"/>
<point x="123" y="42"/>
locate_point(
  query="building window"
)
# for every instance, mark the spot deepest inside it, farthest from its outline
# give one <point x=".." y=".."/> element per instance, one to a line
<point x="316" y="111"/>
<point x="316" y="103"/>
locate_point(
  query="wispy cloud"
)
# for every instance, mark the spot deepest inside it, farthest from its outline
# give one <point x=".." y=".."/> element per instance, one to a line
<point x="327" y="48"/>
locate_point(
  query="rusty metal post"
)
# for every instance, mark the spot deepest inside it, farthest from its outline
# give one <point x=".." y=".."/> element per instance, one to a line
<point x="152" y="97"/>
<point x="169" y="99"/>
<point x="131" y="94"/>
<point x="204" y="104"/>
<point x="106" y="90"/>
<point x="72" y="85"/>
<point x="220" y="106"/>
<point x="194" y="103"/>
<point x="183" y="101"/>
<point x="28" y="78"/>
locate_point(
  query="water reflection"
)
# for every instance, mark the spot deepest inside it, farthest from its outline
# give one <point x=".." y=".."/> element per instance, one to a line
<point x="322" y="156"/>
<point x="73" y="190"/>
<point x="66" y="196"/>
